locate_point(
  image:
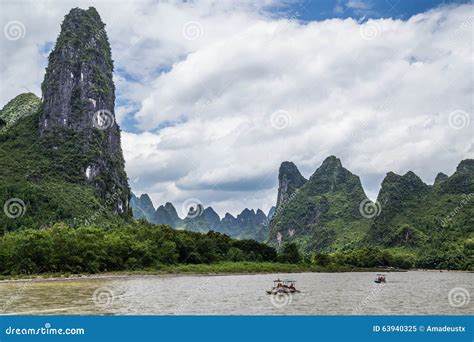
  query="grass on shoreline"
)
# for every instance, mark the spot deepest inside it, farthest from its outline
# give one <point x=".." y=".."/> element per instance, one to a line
<point x="207" y="269"/>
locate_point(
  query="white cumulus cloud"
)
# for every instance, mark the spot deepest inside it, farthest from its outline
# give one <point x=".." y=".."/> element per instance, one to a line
<point x="219" y="107"/>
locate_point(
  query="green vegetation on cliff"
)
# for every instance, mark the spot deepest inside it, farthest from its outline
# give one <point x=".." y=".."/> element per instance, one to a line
<point x="412" y="224"/>
<point x="323" y="214"/>
<point x="435" y="223"/>
<point x="44" y="178"/>
<point x="21" y="106"/>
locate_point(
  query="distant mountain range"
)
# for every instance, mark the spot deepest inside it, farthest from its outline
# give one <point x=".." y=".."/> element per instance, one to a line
<point x="330" y="211"/>
<point x="249" y="224"/>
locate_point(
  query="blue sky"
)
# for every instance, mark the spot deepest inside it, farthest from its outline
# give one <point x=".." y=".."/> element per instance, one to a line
<point x="212" y="96"/>
<point x="398" y="9"/>
<point x="306" y="11"/>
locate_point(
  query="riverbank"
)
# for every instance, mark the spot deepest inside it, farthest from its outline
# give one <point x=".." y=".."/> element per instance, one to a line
<point x="223" y="268"/>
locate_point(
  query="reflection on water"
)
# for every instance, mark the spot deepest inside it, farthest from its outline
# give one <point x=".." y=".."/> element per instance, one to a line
<point x="417" y="293"/>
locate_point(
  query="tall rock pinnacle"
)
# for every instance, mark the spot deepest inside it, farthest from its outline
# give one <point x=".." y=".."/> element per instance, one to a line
<point x="289" y="180"/>
<point x="78" y="105"/>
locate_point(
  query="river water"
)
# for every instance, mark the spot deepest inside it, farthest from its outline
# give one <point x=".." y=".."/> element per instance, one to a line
<point x="405" y="293"/>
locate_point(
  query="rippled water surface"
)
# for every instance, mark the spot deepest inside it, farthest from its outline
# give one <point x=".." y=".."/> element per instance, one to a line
<point x="417" y="293"/>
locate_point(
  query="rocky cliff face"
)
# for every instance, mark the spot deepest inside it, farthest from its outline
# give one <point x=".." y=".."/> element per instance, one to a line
<point x="62" y="164"/>
<point x="289" y="180"/>
<point x="323" y="211"/>
<point x="78" y="105"/>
